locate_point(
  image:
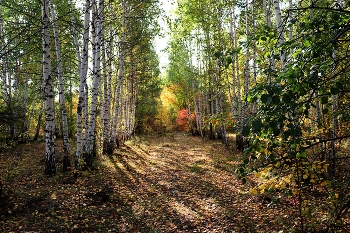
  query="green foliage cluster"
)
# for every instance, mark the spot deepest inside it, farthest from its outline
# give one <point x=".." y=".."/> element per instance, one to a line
<point x="303" y="109"/>
<point x="284" y="88"/>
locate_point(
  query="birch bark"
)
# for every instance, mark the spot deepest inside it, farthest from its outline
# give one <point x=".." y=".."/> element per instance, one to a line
<point x="113" y="139"/>
<point x="82" y="80"/>
<point x="280" y="31"/>
<point x="66" y="147"/>
<point x="106" y="117"/>
<point x="95" y="88"/>
<point x="50" y="168"/>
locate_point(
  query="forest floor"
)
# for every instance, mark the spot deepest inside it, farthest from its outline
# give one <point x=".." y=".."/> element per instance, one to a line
<point x="168" y="183"/>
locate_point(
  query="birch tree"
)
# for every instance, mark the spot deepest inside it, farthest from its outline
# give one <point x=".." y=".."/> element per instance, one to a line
<point x="113" y="140"/>
<point x="82" y="80"/>
<point x="280" y="31"/>
<point x="50" y="163"/>
<point x="107" y="94"/>
<point x="63" y="110"/>
<point x="89" y="144"/>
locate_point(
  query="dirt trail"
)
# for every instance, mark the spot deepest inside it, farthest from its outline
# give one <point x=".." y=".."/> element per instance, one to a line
<point x="172" y="183"/>
<point x="184" y="184"/>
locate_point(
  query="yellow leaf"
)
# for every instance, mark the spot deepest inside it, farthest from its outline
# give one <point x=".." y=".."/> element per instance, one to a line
<point x="282" y="185"/>
<point x="287" y="179"/>
<point x="253" y="191"/>
<point x="257" y="174"/>
<point x="54" y="196"/>
<point x="324" y="183"/>
<point x="305" y="176"/>
<point x="336" y="195"/>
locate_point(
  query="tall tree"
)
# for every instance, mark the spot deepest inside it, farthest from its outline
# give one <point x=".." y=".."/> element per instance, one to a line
<point x="89" y="144"/>
<point x="63" y="110"/>
<point x="121" y="69"/>
<point x="50" y="168"/>
<point x="82" y="78"/>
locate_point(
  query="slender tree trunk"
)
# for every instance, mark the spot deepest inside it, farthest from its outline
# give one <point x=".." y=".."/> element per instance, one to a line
<point x="106" y="117"/>
<point x="239" y="96"/>
<point x="332" y="154"/>
<point x="233" y="38"/>
<point x="66" y="147"/>
<point x="82" y="79"/>
<point x="280" y="31"/>
<point x="267" y="12"/>
<point x="290" y="35"/>
<point x="89" y="145"/>
<point x="86" y="115"/>
<point x="254" y="110"/>
<point x="114" y="140"/>
<point x="38" y="125"/>
<point x="50" y="168"/>
<point x="246" y="67"/>
<point x="24" y="107"/>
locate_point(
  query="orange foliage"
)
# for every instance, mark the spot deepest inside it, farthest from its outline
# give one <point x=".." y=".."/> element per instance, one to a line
<point x="182" y="121"/>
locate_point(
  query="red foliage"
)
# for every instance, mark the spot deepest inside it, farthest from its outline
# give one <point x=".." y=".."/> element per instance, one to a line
<point x="182" y="121"/>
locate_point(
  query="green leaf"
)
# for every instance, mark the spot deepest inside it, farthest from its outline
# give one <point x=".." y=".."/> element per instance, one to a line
<point x="334" y="91"/>
<point x="339" y="85"/>
<point x="286" y="134"/>
<point x="325" y="110"/>
<point x="257" y="125"/>
<point x="265" y="98"/>
<point x="228" y="60"/>
<point x="277" y="90"/>
<point x="286" y="98"/>
<point x="276" y="100"/>
<point x="307" y="43"/>
<point x="276" y="132"/>
<point x="324" y="99"/>
<point x="218" y="54"/>
<point x="245" y="131"/>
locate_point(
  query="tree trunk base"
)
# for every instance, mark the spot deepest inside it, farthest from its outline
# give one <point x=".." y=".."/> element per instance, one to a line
<point x="66" y="163"/>
<point x="50" y="171"/>
<point x="108" y="147"/>
<point x="241" y="142"/>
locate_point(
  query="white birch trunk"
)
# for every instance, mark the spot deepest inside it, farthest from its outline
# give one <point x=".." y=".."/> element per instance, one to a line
<point x="254" y="60"/>
<point x="233" y="85"/>
<point x="133" y="110"/>
<point x="239" y="96"/>
<point x="246" y="67"/>
<point x="113" y="139"/>
<point x="290" y="35"/>
<point x="86" y="114"/>
<point x="280" y="31"/>
<point x="50" y="168"/>
<point x="95" y="90"/>
<point x="24" y="106"/>
<point x="66" y="147"/>
<point x="107" y="95"/>
<point x="82" y="79"/>
<point x="266" y="4"/>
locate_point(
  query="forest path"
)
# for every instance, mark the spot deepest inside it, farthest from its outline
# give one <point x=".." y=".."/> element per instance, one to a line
<point x="168" y="183"/>
<point x="179" y="183"/>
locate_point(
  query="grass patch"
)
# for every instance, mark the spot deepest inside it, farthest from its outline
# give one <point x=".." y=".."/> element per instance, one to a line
<point x="196" y="168"/>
